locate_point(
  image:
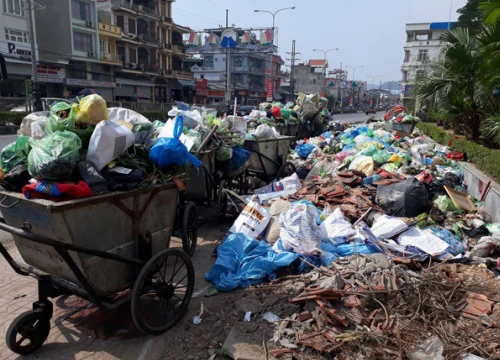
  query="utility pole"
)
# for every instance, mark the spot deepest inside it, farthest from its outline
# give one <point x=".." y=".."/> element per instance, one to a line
<point x="36" y="86"/>
<point x="292" y="67"/>
<point x="228" y="67"/>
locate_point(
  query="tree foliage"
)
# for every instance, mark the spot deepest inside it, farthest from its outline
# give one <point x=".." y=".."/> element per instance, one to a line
<point x="471" y="16"/>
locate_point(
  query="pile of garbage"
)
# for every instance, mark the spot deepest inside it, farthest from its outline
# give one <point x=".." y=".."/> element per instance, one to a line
<point x="82" y="149"/>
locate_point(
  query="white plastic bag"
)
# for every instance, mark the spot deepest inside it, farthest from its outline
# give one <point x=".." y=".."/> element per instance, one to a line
<point x="385" y="227"/>
<point x="299" y="231"/>
<point x="108" y="141"/>
<point x="336" y="225"/>
<point x="135" y="122"/>
<point x="33" y="125"/>
<point x="264" y="132"/>
<point x="253" y="219"/>
<point x="168" y="132"/>
<point x="290" y="183"/>
<point x="363" y="164"/>
<point x="192" y="118"/>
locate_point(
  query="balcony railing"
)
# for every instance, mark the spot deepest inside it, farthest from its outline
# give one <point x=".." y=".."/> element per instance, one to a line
<point x="110" y="57"/>
<point x="182" y="74"/>
<point x="179" y="49"/>
<point x="138" y="8"/>
<point x="152" y="38"/>
<point x="110" y="28"/>
<point x="152" y="68"/>
<point x="165" y="45"/>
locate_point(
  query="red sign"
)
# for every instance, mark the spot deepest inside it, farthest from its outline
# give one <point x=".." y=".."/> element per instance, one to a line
<point x="371" y="101"/>
<point x="216" y="93"/>
<point x="201" y="87"/>
<point x="270" y="90"/>
<point x="351" y="101"/>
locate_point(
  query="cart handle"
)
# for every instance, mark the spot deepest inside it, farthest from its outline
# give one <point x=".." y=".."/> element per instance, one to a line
<point x="8" y="206"/>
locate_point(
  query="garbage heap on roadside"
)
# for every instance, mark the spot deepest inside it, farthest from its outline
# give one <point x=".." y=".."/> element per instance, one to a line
<point x="82" y="149"/>
<point x="286" y="119"/>
<point x="390" y="200"/>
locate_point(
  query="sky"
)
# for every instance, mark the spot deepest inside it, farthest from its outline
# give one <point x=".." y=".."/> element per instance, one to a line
<point x="367" y="33"/>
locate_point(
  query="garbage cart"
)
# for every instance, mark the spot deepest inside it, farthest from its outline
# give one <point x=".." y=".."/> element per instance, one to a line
<point x="111" y="249"/>
<point x="269" y="158"/>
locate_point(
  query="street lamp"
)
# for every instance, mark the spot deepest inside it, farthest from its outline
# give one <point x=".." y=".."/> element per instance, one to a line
<point x="373" y="78"/>
<point x="354" y="70"/>
<point x="273" y="14"/>
<point x="325" y="52"/>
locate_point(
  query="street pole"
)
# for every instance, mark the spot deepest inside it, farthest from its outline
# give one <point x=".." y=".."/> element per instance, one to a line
<point x="228" y="67"/>
<point x="36" y="86"/>
<point x="292" y="75"/>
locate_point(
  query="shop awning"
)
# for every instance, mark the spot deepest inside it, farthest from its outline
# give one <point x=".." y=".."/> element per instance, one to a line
<point x="188" y="83"/>
<point x="277" y="97"/>
<point x="174" y="84"/>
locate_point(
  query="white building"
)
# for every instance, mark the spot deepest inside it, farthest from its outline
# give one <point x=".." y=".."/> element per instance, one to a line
<point x="15" y="47"/>
<point x="423" y="46"/>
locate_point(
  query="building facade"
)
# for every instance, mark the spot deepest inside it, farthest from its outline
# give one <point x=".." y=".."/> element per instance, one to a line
<point x="126" y="50"/>
<point x="423" y="47"/>
<point x="310" y="77"/>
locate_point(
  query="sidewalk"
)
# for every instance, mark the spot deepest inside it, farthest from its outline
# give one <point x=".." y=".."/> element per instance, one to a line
<point x="80" y="331"/>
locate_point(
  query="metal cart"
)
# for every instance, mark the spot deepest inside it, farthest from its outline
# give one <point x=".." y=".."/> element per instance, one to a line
<point x="111" y="249"/>
<point x="269" y="158"/>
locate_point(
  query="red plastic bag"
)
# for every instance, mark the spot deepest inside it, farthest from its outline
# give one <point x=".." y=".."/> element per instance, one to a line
<point x="276" y="112"/>
<point x="455" y="155"/>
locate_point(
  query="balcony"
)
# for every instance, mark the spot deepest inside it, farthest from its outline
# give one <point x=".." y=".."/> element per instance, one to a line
<point x="107" y="57"/>
<point x="136" y="9"/>
<point x="166" y="19"/>
<point x="110" y="30"/>
<point x="179" y="49"/>
<point x="182" y="74"/>
<point x="150" y="68"/>
<point x="165" y="46"/>
<point x="149" y="38"/>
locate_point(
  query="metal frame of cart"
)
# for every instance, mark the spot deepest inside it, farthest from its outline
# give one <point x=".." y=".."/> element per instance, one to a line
<point x="110" y="249"/>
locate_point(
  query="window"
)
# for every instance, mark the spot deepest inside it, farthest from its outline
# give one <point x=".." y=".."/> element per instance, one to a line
<point x="82" y="42"/>
<point x="238" y="61"/>
<point x="132" y="55"/>
<point x="132" y="26"/>
<point x="16" y="35"/>
<point x="80" y="10"/>
<point x="102" y="46"/>
<point x="14" y="7"/>
<point x="120" y="22"/>
<point x="422" y="37"/>
<point x="405" y="76"/>
<point x="419" y="74"/>
<point x="407" y="55"/>
<point x="423" y="55"/>
<point x="208" y="62"/>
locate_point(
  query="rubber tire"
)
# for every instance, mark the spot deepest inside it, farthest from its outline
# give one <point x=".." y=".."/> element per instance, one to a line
<point x="221" y="207"/>
<point x="41" y="332"/>
<point x="139" y="283"/>
<point x="186" y="224"/>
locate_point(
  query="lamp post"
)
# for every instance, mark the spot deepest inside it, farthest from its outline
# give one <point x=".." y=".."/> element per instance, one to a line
<point x="273" y="14"/>
<point x="353" y="77"/>
<point x="325" y="53"/>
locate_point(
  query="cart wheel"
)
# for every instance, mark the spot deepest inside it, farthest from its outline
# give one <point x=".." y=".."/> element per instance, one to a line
<point x="221" y="201"/>
<point x="287" y="169"/>
<point x="28" y="332"/>
<point x="189" y="228"/>
<point x="162" y="291"/>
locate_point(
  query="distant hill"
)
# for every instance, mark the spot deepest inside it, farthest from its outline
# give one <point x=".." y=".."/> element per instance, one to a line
<point x="388" y="85"/>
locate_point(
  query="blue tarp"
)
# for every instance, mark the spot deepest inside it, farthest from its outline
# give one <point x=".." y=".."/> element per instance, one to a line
<point x="243" y="261"/>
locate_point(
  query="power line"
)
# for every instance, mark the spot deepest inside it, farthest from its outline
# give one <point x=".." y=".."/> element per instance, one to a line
<point x="199" y="16"/>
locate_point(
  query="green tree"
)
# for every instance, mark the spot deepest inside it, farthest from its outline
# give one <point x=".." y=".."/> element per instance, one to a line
<point x="471" y="17"/>
<point x="490" y="10"/>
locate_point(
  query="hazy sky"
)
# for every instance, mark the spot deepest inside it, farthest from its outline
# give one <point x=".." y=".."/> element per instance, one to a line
<point x="367" y="32"/>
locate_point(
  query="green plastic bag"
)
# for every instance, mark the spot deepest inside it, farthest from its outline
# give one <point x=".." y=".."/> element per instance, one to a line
<point x="390" y="167"/>
<point x="62" y="117"/>
<point x="494" y="228"/>
<point x="369" y="151"/>
<point x="195" y="137"/>
<point x="224" y="153"/>
<point x="381" y="156"/>
<point x="348" y="160"/>
<point x="445" y="204"/>
<point x="286" y="114"/>
<point x="157" y="124"/>
<point x="15" y="154"/>
<point x="55" y="156"/>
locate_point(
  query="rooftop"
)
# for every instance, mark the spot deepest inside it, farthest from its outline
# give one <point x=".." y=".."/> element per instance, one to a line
<point x="317" y="63"/>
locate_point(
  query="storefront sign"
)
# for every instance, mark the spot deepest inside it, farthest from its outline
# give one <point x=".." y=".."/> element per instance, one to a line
<point x="242" y="93"/>
<point x="270" y="90"/>
<point x="90" y="83"/>
<point x="201" y="87"/>
<point x="50" y="73"/>
<point x="216" y="93"/>
<point x="16" y="50"/>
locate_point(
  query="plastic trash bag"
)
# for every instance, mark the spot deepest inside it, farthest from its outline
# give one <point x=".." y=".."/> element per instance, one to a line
<point x="15" y="154"/>
<point x="299" y="229"/>
<point x="337" y="226"/>
<point x="386" y="227"/>
<point x="264" y="132"/>
<point x="109" y="140"/>
<point x="390" y="167"/>
<point x="381" y="156"/>
<point x="243" y="261"/>
<point x="456" y="246"/>
<point x="253" y="219"/>
<point x="445" y="204"/>
<point x="276" y="111"/>
<point x="430" y="349"/>
<point x="171" y="151"/>
<point x="33" y="125"/>
<point x="55" y="156"/>
<point x="363" y="164"/>
<point x="304" y="150"/>
<point x="240" y="157"/>
<point x="92" y="110"/>
<point x="62" y="117"/>
<point x="404" y="199"/>
<point x="290" y="183"/>
<point x="224" y="153"/>
<point x="135" y="122"/>
<point x="195" y="137"/>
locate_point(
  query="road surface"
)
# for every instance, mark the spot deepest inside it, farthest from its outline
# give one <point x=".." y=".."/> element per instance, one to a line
<point x="6" y="140"/>
<point x="355" y="118"/>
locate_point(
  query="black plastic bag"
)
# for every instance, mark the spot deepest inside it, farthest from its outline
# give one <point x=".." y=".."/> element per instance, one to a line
<point x="405" y="199"/>
<point x="119" y="181"/>
<point x="15" y="179"/>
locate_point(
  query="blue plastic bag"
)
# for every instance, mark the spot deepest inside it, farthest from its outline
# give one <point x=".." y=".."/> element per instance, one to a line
<point x="243" y="261"/>
<point x="304" y="150"/>
<point x="171" y="151"/>
<point x="240" y="157"/>
<point x="456" y="246"/>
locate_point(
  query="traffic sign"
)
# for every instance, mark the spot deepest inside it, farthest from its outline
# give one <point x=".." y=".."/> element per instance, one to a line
<point x="343" y="85"/>
<point x="332" y="84"/>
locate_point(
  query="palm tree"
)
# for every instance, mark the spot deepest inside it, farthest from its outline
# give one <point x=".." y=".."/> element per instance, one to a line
<point x="491" y="11"/>
<point x="457" y="85"/>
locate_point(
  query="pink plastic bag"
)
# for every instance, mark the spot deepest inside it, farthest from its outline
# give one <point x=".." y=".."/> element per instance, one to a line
<point x="342" y="155"/>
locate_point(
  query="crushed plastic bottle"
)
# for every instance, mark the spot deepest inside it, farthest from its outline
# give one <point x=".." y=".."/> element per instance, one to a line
<point x="430" y="349"/>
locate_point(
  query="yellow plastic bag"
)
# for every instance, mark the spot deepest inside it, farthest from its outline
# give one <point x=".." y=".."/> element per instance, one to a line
<point x="396" y="158"/>
<point x="92" y="110"/>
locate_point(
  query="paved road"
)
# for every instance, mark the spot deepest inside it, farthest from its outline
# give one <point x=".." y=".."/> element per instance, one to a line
<point x="6" y="140"/>
<point x="354" y="118"/>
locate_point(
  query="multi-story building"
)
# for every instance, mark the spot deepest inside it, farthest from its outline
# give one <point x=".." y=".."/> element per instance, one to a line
<point x="15" y="47"/>
<point x="310" y="77"/>
<point x="423" y="46"/>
